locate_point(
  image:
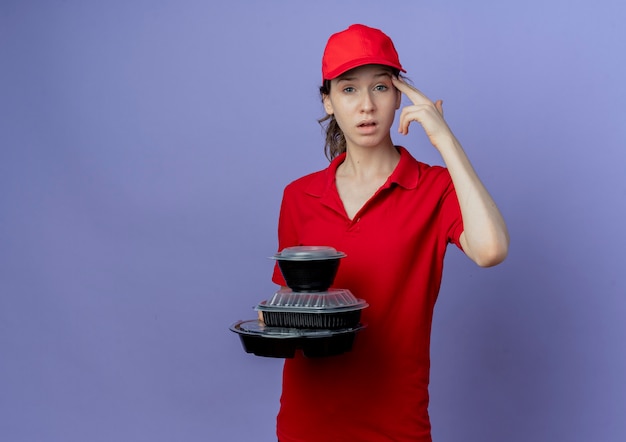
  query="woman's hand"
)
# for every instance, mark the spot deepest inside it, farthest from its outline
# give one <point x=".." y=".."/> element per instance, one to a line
<point x="425" y="112"/>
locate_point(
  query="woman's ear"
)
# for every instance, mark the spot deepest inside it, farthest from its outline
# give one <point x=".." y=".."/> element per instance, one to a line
<point x="328" y="106"/>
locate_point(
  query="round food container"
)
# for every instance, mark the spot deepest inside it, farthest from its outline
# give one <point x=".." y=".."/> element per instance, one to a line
<point x="332" y="309"/>
<point x="309" y="268"/>
<point x="283" y="342"/>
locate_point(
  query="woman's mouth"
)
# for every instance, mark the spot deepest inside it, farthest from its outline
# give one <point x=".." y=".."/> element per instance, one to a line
<point x="368" y="123"/>
<point x="367" y="126"/>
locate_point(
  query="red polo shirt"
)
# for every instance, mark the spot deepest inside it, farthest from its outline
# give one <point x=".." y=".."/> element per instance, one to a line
<point x="395" y="249"/>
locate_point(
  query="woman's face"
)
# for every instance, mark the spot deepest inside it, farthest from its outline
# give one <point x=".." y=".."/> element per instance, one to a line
<point x="364" y="103"/>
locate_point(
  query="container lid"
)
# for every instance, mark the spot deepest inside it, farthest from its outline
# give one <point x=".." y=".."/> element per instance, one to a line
<point x="255" y="327"/>
<point x="330" y="300"/>
<point x="308" y="253"/>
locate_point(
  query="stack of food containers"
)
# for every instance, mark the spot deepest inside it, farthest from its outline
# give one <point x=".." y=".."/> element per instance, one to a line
<point x="308" y="315"/>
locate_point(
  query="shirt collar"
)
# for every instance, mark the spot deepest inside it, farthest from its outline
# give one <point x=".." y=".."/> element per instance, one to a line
<point x="406" y="174"/>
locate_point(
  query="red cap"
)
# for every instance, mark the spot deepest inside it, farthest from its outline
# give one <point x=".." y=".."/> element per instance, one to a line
<point x="356" y="46"/>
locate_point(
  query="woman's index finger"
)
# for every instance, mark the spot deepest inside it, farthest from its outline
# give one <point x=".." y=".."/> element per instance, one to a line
<point x="413" y="93"/>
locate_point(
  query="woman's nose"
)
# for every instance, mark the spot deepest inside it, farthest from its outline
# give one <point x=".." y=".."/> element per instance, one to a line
<point x="367" y="103"/>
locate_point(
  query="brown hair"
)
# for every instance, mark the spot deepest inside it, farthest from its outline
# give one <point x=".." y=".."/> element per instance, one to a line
<point x="335" y="143"/>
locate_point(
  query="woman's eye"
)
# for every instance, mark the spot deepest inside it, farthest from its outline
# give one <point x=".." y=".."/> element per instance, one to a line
<point x="381" y="87"/>
<point x="348" y="89"/>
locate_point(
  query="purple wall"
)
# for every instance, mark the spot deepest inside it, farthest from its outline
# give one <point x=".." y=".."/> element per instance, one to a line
<point x="144" y="146"/>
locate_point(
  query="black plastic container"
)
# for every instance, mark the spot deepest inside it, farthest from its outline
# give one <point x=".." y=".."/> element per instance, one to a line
<point x="332" y="309"/>
<point x="282" y="342"/>
<point x="309" y="268"/>
<point x="309" y="276"/>
<point x="328" y="320"/>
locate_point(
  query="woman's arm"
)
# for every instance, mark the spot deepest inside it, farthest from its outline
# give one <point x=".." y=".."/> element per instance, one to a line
<point x="485" y="239"/>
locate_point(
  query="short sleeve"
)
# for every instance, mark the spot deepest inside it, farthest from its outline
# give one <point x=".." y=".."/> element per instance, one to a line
<point x="452" y="221"/>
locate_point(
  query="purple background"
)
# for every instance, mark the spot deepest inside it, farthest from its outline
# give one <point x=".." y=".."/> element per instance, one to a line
<point x="144" y="146"/>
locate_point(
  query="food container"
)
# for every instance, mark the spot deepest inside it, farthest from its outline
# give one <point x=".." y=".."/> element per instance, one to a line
<point x="309" y="268"/>
<point x="332" y="309"/>
<point x="283" y="342"/>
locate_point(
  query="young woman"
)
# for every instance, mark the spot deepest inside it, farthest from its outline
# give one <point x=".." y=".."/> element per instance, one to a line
<point x="393" y="216"/>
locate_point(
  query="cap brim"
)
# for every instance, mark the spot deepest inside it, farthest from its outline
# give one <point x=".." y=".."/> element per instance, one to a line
<point x="341" y="69"/>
